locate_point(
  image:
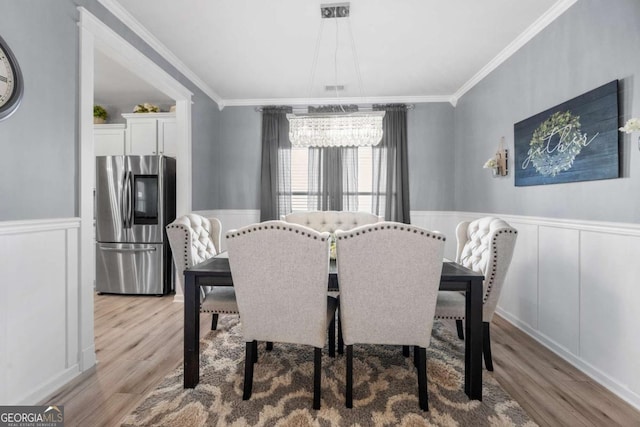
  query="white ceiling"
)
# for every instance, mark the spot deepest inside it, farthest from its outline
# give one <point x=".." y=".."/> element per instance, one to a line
<point x="256" y="52"/>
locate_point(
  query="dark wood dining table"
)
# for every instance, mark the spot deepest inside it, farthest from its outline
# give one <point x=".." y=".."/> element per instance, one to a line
<point x="216" y="271"/>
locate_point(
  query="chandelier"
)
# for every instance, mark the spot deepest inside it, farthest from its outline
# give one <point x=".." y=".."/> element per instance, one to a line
<point x="336" y="129"/>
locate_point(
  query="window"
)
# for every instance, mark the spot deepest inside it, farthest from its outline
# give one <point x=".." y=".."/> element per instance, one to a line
<point x="300" y="179"/>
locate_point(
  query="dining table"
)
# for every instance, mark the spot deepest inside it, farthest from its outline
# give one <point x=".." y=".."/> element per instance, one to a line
<point x="217" y="272"/>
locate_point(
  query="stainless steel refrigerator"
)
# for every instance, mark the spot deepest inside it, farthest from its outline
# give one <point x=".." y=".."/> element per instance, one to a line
<point x="135" y="200"/>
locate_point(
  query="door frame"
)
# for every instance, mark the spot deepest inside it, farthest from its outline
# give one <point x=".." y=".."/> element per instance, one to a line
<point x="94" y="34"/>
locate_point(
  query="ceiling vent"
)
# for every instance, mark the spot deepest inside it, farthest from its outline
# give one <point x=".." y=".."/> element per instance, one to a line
<point x="333" y="88"/>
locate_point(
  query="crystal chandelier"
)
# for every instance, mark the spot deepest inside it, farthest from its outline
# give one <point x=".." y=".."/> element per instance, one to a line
<point x="336" y="129"/>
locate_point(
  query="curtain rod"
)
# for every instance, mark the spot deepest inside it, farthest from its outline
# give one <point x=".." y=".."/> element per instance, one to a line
<point x="409" y="107"/>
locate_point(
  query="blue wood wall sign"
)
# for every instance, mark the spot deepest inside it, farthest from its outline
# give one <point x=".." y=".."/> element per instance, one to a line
<point x="574" y="141"/>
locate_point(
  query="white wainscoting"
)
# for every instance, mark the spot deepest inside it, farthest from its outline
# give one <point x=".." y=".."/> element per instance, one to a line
<point x="572" y="286"/>
<point x="39" y="308"/>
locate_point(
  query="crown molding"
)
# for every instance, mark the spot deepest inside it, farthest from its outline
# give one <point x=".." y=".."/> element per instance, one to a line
<point x="549" y="16"/>
<point x="336" y="101"/>
<point x="541" y="23"/>
<point x="128" y="20"/>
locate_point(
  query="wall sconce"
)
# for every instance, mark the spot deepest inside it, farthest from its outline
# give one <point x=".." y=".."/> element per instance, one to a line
<point x="632" y="125"/>
<point x="499" y="163"/>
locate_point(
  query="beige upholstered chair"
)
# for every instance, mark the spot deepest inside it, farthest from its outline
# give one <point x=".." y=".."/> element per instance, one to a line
<point x="331" y="220"/>
<point x="389" y="268"/>
<point x="193" y="239"/>
<point x="280" y="273"/>
<point x="486" y="246"/>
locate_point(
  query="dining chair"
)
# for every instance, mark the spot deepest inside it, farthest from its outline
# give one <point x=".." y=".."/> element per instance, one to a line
<point x="331" y="221"/>
<point x="193" y="239"/>
<point x="280" y="273"/>
<point x="389" y="268"/>
<point x="486" y="246"/>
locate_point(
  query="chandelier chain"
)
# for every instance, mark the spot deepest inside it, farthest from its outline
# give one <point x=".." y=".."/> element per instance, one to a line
<point x="356" y="60"/>
<point x="335" y="65"/>
<point x="339" y="129"/>
<point x="315" y="58"/>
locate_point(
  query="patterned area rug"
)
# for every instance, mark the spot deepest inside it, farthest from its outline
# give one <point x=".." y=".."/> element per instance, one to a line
<point x="385" y="388"/>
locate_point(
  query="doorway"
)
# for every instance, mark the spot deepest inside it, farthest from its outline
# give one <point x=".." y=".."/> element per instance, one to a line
<point x="94" y="34"/>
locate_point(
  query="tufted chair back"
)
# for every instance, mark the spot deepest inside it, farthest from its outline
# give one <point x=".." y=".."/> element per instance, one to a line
<point x="193" y="239"/>
<point x="331" y="221"/>
<point x="486" y="246"/>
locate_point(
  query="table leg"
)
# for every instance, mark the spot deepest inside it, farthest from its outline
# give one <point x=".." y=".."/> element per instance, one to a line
<point x="473" y="341"/>
<point x="191" y="332"/>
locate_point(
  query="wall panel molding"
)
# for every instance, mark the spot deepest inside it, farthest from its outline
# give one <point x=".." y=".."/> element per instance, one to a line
<point x="564" y="277"/>
<point x="571" y="287"/>
<point x="40" y="277"/>
<point x="38" y="225"/>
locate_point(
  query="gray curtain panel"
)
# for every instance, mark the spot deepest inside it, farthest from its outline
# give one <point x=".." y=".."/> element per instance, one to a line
<point x="333" y="172"/>
<point x="333" y="179"/>
<point x="390" y="166"/>
<point x="275" y="185"/>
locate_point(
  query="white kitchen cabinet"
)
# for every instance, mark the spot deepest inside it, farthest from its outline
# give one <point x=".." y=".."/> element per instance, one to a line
<point x="109" y="140"/>
<point x="151" y="133"/>
<point x="167" y="137"/>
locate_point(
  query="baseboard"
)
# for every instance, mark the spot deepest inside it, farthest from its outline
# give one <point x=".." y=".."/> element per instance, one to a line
<point x="48" y="388"/>
<point x="88" y="357"/>
<point x="556" y="273"/>
<point x="538" y="269"/>
<point x="592" y="372"/>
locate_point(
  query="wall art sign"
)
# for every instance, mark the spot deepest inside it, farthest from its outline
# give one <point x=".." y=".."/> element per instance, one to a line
<point x="574" y="141"/>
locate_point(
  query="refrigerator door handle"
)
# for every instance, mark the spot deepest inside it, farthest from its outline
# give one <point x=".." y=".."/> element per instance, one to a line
<point x="127" y="193"/>
<point x="123" y="201"/>
<point x="144" y="249"/>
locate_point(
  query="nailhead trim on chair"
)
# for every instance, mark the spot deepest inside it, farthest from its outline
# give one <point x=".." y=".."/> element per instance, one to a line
<point x="395" y="227"/>
<point x="186" y="231"/>
<point x="218" y="311"/>
<point x="273" y="227"/>
<point x="492" y="276"/>
<point x="495" y="260"/>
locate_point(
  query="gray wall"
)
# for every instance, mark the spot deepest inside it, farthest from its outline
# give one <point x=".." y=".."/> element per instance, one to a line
<point x="592" y="43"/>
<point x="39" y="166"/>
<point x="238" y="158"/>
<point x="430" y="140"/>
<point x="431" y="156"/>
<point x="204" y="138"/>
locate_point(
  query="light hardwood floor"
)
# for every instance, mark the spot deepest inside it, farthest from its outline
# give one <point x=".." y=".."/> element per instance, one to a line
<point x="139" y="341"/>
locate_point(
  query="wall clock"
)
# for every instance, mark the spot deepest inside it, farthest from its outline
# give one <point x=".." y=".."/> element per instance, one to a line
<point x="11" y="86"/>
